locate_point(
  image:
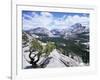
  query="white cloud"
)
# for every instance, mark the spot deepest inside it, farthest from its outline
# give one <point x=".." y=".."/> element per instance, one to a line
<point x="46" y="19"/>
<point x="42" y="20"/>
<point x="70" y="20"/>
<point x="46" y="14"/>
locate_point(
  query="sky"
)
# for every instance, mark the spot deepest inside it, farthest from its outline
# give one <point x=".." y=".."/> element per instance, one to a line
<point x="52" y="20"/>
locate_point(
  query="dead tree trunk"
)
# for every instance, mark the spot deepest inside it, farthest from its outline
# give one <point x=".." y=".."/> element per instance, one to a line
<point x="32" y="59"/>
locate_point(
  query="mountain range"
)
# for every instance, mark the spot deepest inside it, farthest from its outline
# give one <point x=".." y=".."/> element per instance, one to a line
<point x="65" y="33"/>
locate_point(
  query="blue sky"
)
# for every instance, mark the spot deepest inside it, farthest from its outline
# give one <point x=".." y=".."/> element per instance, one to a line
<point x="51" y="20"/>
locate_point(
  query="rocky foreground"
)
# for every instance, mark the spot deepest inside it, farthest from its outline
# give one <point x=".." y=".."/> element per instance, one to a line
<point x="59" y="60"/>
<point x="55" y="60"/>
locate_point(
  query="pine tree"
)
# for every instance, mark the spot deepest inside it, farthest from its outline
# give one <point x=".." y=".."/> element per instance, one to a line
<point x="35" y="46"/>
<point x="49" y="48"/>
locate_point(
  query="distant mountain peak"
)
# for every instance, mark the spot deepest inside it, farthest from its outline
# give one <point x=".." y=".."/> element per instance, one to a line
<point x="76" y="25"/>
<point x="41" y="31"/>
